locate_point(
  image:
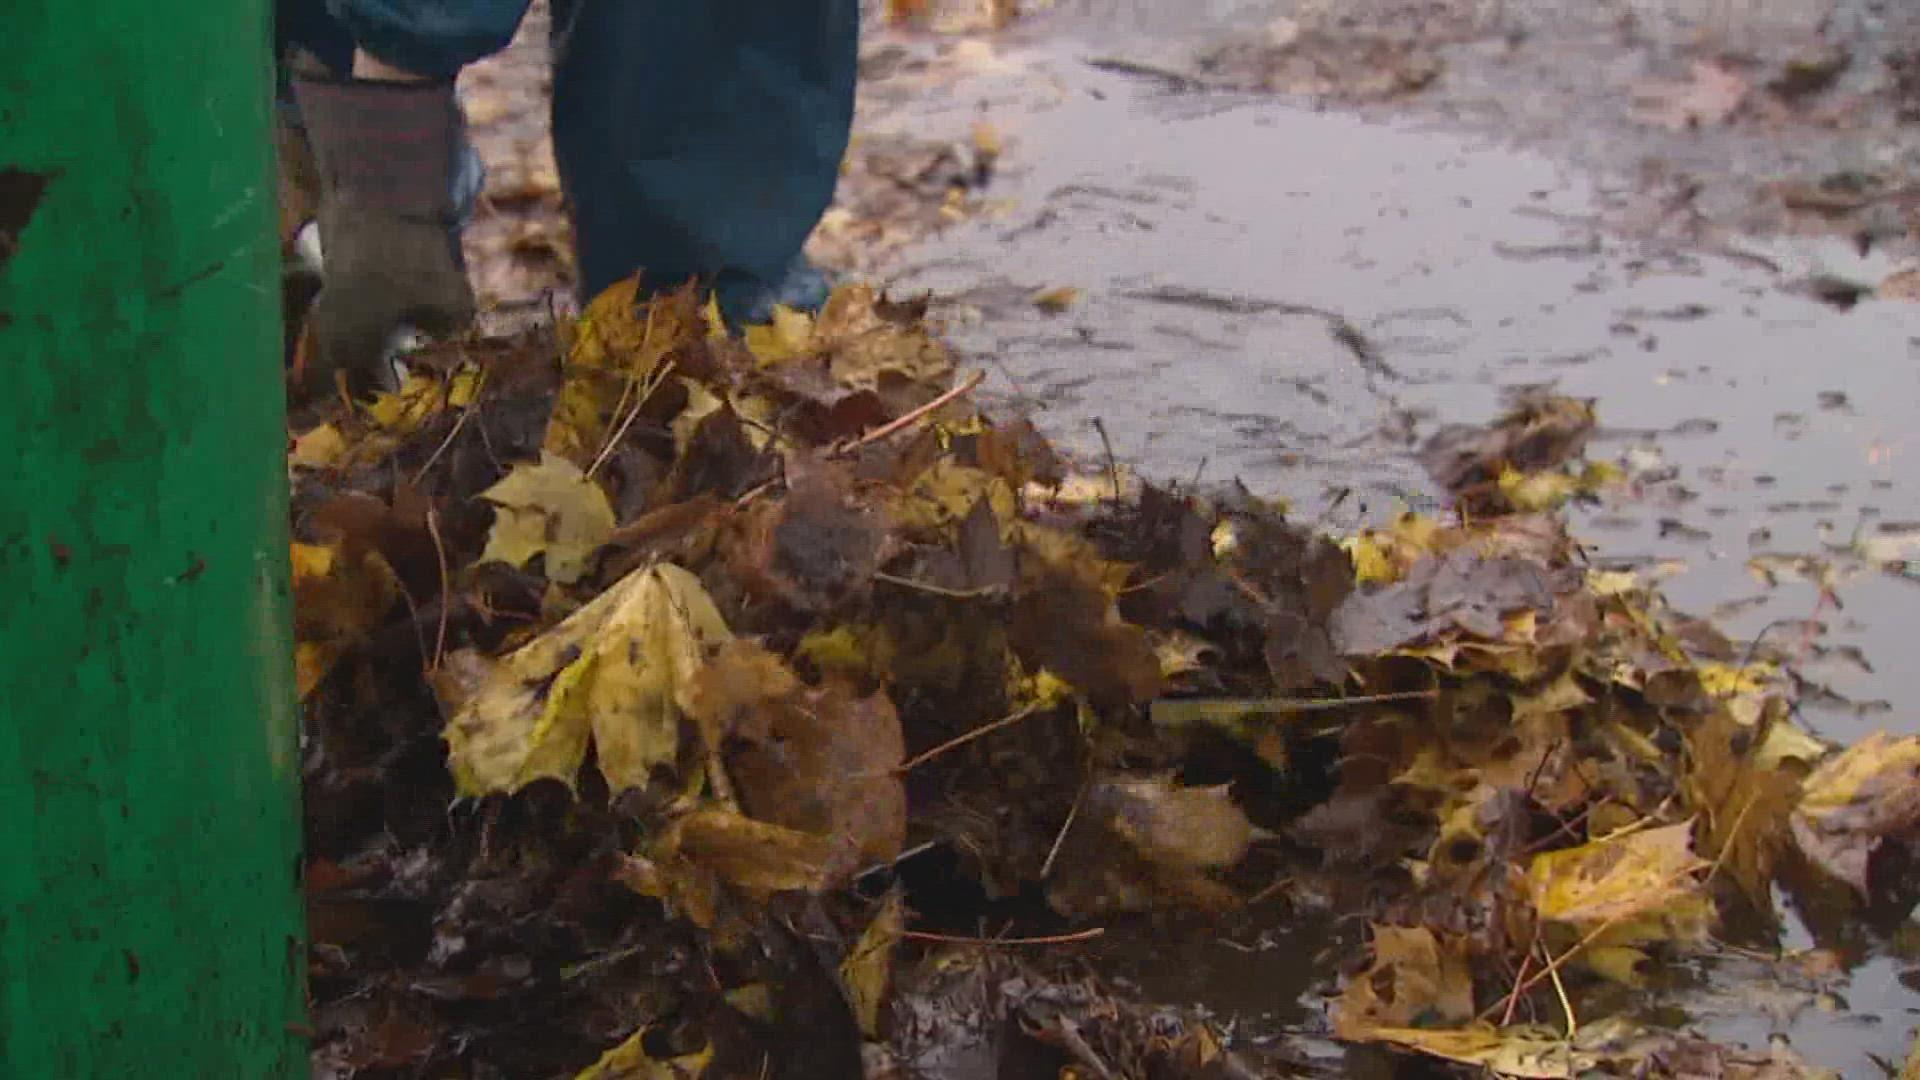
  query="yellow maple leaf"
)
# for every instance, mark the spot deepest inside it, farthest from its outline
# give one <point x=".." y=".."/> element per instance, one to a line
<point x="405" y="409"/>
<point x="550" y="509"/>
<point x="788" y="336"/>
<point x="1515" y="1051"/>
<point x="1416" y="976"/>
<point x="619" y="672"/>
<point x="1616" y="879"/>
<point x="630" y="1061"/>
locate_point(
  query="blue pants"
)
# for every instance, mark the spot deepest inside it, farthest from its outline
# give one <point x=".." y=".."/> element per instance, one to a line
<point x="694" y="137"/>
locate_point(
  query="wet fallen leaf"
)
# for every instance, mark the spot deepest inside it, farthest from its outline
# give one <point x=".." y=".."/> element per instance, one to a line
<point x="867" y="973"/>
<point x="1055" y="300"/>
<point x="341" y="593"/>
<point x="1416" y="979"/>
<point x="699" y="852"/>
<point x="551" y="509"/>
<point x="318" y="448"/>
<point x="1611" y="881"/>
<point x="1708" y="97"/>
<point x="822" y="760"/>
<point x="630" y="1061"/>
<point x="1900" y="285"/>
<point x="1513" y="1051"/>
<point x="619" y="672"/>
<point x="1854" y="801"/>
<point x="1745" y="795"/>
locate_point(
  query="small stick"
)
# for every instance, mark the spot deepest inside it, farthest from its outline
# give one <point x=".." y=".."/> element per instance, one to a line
<point x="906" y="420"/>
<point x="1113" y="463"/>
<point x="1520" y="977"/>
<point x="1566" y="1006"/>
<point x="452" y="432"/>
<point x="937" y="590"/>
<point x="646" y="392"/>
<point x="446" y="589"/>
<point x="961" y="740"/>
<point x="1287" y="705"/>
<point x="1057" y="939"/>
<point x="1059" y="841"/>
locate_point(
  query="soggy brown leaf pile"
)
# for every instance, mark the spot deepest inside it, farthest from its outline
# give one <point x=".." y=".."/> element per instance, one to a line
<point x="684" y="705"/>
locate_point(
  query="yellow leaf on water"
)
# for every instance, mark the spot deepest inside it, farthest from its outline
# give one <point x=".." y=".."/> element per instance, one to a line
<point x="986" y="139"/>
<point x="1852" y="802"/>
<point x="619" y="671"/>
<point x="1616" y="879"/>
<point x="1538" y="490"/>
<point x="1055" y="300"/>
<point x="550" y="509"/>
<point x="1610" y="583"/>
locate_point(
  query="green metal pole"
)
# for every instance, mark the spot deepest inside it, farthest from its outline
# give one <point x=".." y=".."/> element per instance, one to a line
<point x="150" y="920"/>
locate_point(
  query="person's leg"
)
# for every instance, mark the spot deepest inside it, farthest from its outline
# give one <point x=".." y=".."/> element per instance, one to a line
<point x="701" y="139"/>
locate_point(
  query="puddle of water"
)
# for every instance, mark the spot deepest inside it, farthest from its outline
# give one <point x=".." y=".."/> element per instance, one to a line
<point x="1271" y="292"/>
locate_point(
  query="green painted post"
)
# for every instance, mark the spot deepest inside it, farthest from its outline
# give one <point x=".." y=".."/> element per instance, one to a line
<point x="150" y="921"/>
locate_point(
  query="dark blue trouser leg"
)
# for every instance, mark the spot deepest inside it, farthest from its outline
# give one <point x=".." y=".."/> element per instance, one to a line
<point x="701" y="138"/>
<point x="694" y="137"/>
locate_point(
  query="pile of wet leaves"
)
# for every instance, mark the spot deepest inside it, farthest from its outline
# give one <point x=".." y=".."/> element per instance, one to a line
<point x="682" y="703"/>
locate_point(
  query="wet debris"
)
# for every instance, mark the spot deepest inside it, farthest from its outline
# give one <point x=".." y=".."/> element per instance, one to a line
<point x="689" y="704"/>
<point x="1347" y="64"/>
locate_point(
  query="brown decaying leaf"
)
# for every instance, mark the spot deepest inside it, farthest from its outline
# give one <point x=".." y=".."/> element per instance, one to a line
<point x="1417" y="979"/>
<point x="819" y="760"/>
<point x="1709" y="96"/>
<point x="1856" y="800"/>
<point x="1143" y="842"/>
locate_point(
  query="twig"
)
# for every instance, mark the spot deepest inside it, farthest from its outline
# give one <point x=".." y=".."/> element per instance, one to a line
<point x="446" y="589"/>
<point x="1069" y="1035"/>
<point x="1056" y="939"/>
<point x="452" y="432"/>
<point x="1520" y="977"/>
<point x="1060" y="839"/>
<point x="937" y="590"/>
<point x="1113" y="463"/>
<point x="1558" y="962"/>
<point x="961" y="740"/>
<point x="1288" y="705"/>
<point x="1566" y="1006"/>
<point x="908" y="419"/>
<point x="743" y="501"/>
<point x="655" y="381"/>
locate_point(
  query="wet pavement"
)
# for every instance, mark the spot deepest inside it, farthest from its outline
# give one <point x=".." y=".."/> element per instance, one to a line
<point x="1296" y="293"/>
